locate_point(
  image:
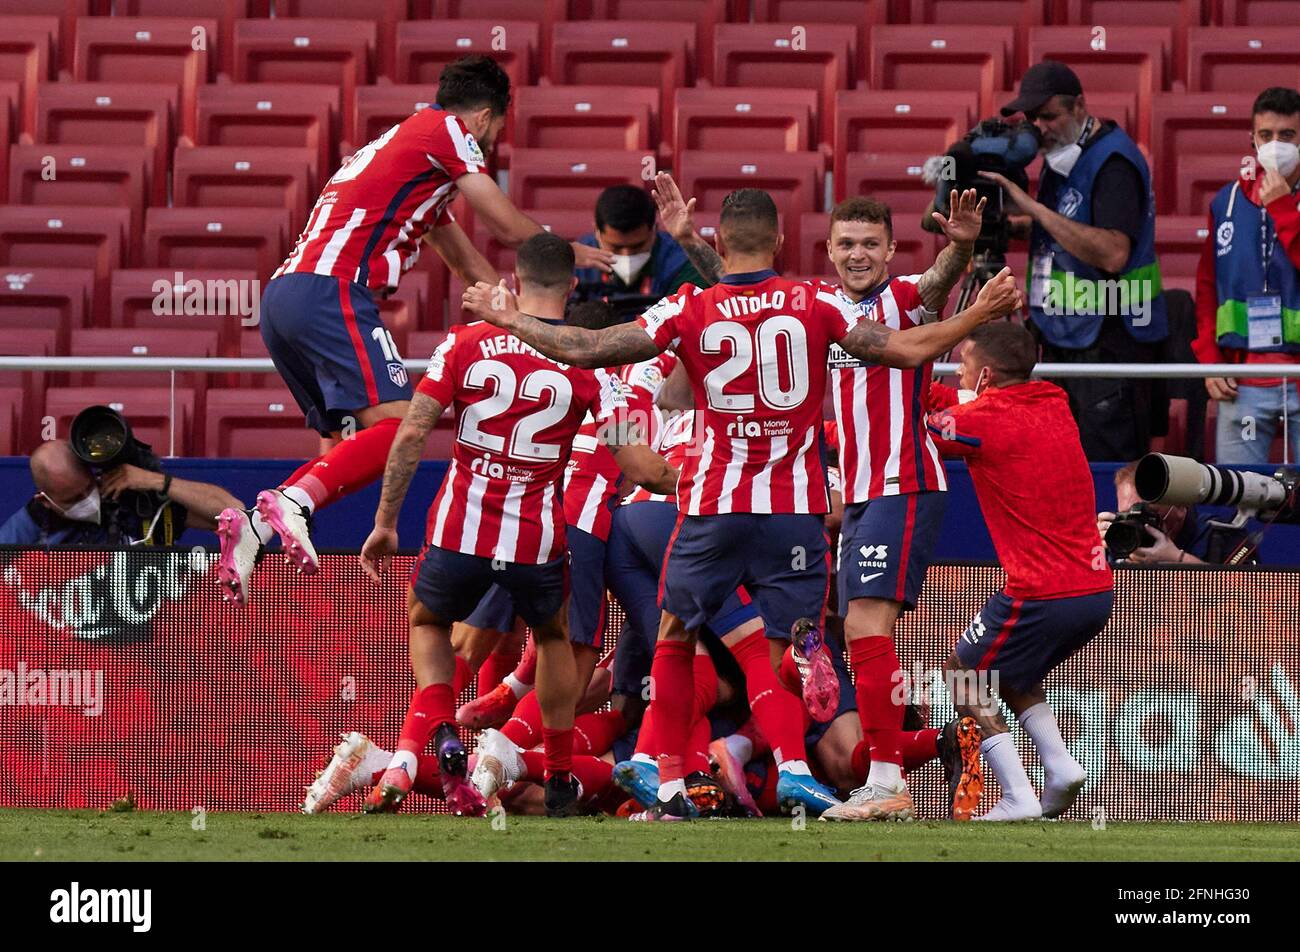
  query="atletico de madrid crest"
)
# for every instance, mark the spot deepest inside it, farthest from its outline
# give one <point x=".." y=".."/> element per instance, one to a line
<point x="397" y="374"/>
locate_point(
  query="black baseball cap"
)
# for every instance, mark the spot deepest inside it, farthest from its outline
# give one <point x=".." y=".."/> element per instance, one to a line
<point x="1040" y="83"/>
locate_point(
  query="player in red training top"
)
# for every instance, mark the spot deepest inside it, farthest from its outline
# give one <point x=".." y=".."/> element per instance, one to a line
<point x="319" y="317"/>
<point x="752" y="499"/>
<point x="498" y="518"/>
<point x="1036" y="491"/>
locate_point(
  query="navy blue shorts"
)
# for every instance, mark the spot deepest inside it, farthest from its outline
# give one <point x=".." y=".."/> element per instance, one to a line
<point x="587" y="609"/>
<point x="782" y="560"/>
<point x="638" y="539"/>
<point x="330" y="345"/>
<point x="451" y="584"/>
<point x="885" y="546"/>
<point x="1022" y="640"/>
<point x="848" y="696"/>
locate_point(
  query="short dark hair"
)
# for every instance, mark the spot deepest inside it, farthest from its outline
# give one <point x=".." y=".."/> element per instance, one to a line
<point x="870" y="210"/>
<point x="593" y="315"/>
<point x="1278" y="99"/>
<point x="748" y="222"/>
<point x="546" y="262"/>
<point x="1009" y="348"/>
<point x="624" y="208"/>
<point x="473" y="82"/>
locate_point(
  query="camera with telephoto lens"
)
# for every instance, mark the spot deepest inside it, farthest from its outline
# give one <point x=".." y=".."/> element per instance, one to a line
<point x="102" y="438"/>
<point x="1179" y="481"/>
<point x="1129" y="530"/>
<point x="992" y="146"/>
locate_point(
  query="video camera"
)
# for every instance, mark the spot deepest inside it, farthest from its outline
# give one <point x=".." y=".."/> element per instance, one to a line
<point x="991" y="146"/>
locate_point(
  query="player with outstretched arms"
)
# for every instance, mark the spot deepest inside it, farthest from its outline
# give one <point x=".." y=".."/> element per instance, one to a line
<point x="752" y="500"/>
<point x="320" y="320"/>
<point x="498" y="519"/>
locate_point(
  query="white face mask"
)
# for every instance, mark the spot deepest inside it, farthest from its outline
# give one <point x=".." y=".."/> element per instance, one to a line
<point x="628" y="267"/>
<point x="1061" y="160"/>
<point x="83" y="510"/>
<point x="1280" y="157"/>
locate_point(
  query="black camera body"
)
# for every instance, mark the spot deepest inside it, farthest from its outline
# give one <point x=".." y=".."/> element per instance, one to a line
<point x="1129" y="530"/>
<point x="991" y="146"/>
<point x="102" y="439"/>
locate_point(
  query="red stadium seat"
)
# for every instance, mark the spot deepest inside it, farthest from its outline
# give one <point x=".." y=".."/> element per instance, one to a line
<point x="142" y="342"/>
<point x="1258" y="13"/>
<point x="1241" y="59"/>
<point x="862" y="14"/>
<point x="1179" y="242"/>
<point x="386" y="14"/>
<point x="894" y="178"/>
<point x="257" y="424"/>
<point x="27" y="57"/>
<point x="1122" y="107"/>
<point x="80" y="175"/>
<point x="407" y="308"/>
<point x="55" y="299"/>
<point x="238" y="176"/>
<point x="542" y="13"/>
<point x="321" y="52"/>
<point x="624" y="53"/>
<point x="572" y="178"/>
<point x="250" y="345"/>
<point x="1199" y="178"/>
<point x="945" y="58"/>
<point x="1019" y="14"/>
<point x="145" y="50"/>
<point x="65" y="14"/>
<point x="150" y="410"/>
<point x="13" y="419"/>
<point x="224" y="12"/>
<point x="29" y="342"/>
<point x="705" y="14"/>
<point x="62" y="236"/>
<point x="290" y="116"/>
<point x="916" y="123"/>
<point x="765" y="120"/>
<point x="558" y="117"/>
<point x="113" y="114"/>
<point x="10" y="104"/>
<point x="793" y="179"/>
<point x="814" y="227"/>
<point x="776" y="55"/>
<point x="1196" y="124"/>
<point x="245" y="239"/>
<point x="1178" y="15"/>
<point x="223" y="302"/>
<point x="425" y="47"/>
<point x="379" y="108"/>
<point x="1134" y="59"/>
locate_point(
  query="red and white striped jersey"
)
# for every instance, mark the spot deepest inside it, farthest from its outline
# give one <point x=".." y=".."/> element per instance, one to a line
<point x="755" y="348"/>
<point x="517" y="415"/>
<point x="591" y="481"/>
<point x="368" y="221"/>
<point x="880" y="411"/>
<point x="676" y="437"/>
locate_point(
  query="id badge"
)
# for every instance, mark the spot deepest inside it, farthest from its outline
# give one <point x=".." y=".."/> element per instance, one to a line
<point x="1040" y="277"/>
<point x="1264" y="321"/>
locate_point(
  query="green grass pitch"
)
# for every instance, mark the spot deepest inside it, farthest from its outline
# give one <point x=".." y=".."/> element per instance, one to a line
<point x="79" y="835"/>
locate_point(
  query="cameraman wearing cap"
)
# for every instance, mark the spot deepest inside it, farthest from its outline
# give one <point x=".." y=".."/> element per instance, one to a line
<point x="1248" y="285"/>
<point x="1094" y="286"/>
<point x="126" y="505"/>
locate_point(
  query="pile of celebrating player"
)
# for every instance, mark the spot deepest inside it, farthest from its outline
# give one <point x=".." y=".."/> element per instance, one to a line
<point x="678" y="463"/>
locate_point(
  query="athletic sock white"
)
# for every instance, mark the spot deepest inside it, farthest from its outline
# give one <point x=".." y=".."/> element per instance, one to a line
<point x="741" y="747"/>
<point x="670" y="788"/>
<point x="799" y="767"/>
<point x="885" y="776"/>
<point x="299" y="496"/>
<point x="1000" y="751"/>
<point x="644" y="758"/>
<point x="1059" y="767"/>
<point x="263" y="531"/>
<point x="405" y="760"/>
<point x="517" y="687"/>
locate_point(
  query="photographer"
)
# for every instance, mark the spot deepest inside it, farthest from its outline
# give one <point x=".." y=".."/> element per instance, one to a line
<point x="125" y="505"/>
<point x="1094" y="286"/>
<point x="1183" y="534"/>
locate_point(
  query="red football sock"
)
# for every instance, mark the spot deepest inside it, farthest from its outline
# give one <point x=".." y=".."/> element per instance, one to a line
<point x="525" y="724"/>
<point x="875" y="673"/>
<point x="460" y="680"/>
<point x="697" y="754"/>
<point x="778" y="713"/>
<point x="526" y="670"/>
<point x="428" y="709"/>
<point x="557" y="744"/>
<point x="860" y="760"/>
<point x="765" y="799"/>
<point x="428" y="778"/>
<point x="352" y="464"/>
<point x="706" y="684"/>
<point x="495" y="667"/>
<point x="645" y="737"/>
<point x="789" y="674"/>
<point x="301" y="471"/>
<point x="594" y="734"/>
<point x="672" y="680"/>
<point x="750" y="730"/>
<point x="919" y="747"/>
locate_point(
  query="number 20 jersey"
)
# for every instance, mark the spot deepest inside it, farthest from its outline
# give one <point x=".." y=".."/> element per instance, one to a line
<point x="517" y="414"/>
<point x="755" y="349"/>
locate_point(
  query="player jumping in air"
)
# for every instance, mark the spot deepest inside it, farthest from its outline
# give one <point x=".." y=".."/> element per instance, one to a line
<point x="755" y="349"/>
<point x="319" y="317"/>
<point x="498" y="518"/>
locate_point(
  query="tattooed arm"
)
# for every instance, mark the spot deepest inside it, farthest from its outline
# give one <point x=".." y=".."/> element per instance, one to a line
<point x="962" y="226"/>
<point x="576" y="346"/>
<point x="403" y="459"/>
<point x="675" y="213"/>
<point x="875" y="343"/>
